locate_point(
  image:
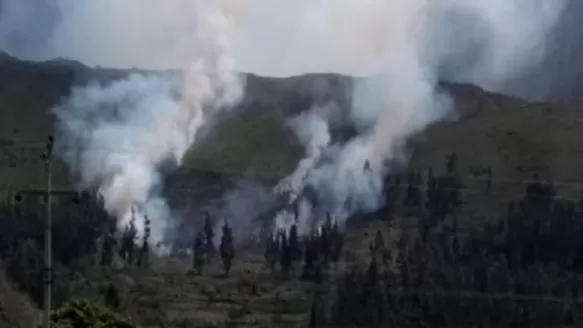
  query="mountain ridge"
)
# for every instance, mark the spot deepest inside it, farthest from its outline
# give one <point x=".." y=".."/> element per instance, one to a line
<point x="517" y="137"/>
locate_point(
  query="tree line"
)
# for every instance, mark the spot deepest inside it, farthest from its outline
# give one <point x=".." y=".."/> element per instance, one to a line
<point x="523" y="269"/>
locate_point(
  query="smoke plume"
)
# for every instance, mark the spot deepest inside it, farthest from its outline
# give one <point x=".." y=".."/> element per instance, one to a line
<point x="312" y="131"/>
<point x="418" y="43"/>
<point x="400" y="49"/>
<point x="118" y="138"/>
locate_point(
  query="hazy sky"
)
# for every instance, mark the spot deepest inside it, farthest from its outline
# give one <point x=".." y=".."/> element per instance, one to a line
<point x="272" y="37"/>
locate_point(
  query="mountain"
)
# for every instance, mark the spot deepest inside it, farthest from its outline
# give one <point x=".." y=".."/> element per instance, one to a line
<point x="515" y="138"/>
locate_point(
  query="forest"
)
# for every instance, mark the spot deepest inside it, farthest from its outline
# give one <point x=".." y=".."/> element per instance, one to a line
<point x="523" y="269"/>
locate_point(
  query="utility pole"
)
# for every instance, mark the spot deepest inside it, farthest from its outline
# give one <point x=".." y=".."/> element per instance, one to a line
<point x="48" y="270"/>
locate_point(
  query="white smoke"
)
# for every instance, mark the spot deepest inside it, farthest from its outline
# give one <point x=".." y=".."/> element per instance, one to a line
<point x="278" y="38"/>
<point x="408" y="44"/>
<point x="416" y="44"/>
<point x="312" y="131"/>
<point x="117" y="138"/>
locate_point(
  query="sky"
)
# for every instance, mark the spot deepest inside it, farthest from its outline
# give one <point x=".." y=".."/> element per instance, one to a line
<point x="271" y="37"/>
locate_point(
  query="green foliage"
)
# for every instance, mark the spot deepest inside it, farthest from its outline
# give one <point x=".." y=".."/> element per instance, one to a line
<point x="84" y="314"/>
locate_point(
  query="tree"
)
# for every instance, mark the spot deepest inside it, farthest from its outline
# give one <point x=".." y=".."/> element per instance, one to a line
<point x="286" y="254"/>
<point x="227" y="249"/>
<point x="209" y="235"/>
<point x="337" y="241"/>
<point x="377" y="244"/>
<point x="111" y="297"/>
<point x="272" y="251"/>
<point x="413" y="195"/>
<point x="372" y="273"/>
<point x="127" y="243"/>
<point x="309" y="260"/>
<point x="294" y="243"/>
<point x="144" y="251"/>
<point x="324" y="245"/>
<point x="198" y="253"/>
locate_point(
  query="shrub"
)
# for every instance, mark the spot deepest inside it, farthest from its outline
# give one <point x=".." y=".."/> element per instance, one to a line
<point x="82" y="313"/>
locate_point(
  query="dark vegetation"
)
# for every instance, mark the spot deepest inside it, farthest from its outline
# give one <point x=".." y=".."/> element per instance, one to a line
<point x="81" y="313"/>
<point x="77" y="226"/>
<point x="522" y="269"/>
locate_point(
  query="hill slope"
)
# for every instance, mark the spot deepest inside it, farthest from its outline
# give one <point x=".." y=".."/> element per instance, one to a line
<point x="513" y="137"/>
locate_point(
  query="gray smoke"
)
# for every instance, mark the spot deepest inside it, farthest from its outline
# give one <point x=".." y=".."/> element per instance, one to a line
<point x="244" y="206"/>
<point x="26" y="27"/>
<point x="560" y="75"/>
<point x="312" y="131"/>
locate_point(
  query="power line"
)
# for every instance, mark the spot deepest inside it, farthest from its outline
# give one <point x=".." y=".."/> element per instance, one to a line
<point x="47" y="156"/>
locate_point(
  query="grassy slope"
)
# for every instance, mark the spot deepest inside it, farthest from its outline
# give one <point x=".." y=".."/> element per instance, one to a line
<point x="516" y="139"/>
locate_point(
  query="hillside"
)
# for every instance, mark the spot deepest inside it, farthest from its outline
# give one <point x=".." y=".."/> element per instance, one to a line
<point x="513" y="137"/>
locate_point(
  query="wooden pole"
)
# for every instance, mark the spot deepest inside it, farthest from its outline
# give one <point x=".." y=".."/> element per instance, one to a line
<point x="48" y="270"/>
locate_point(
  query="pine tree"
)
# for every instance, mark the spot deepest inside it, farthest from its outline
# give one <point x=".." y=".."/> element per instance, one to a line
<point x="273" y="252"/>
<point x="268" y="248"/>
<point x="127" y="243"/>
<point x="227" y="248"/>
<point x="324" y="245"/>
<point x="337" y="240"/>
<point x="144" y="251"/>
<point x="286" y="256"/>
<point x="294" y="243"/>
<point x="372" y="273"/>
<point x="111" y="297"/>
<point x="309" y="260"/>
<point x="198" y="253"/>
<point x="209" y="236"/>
